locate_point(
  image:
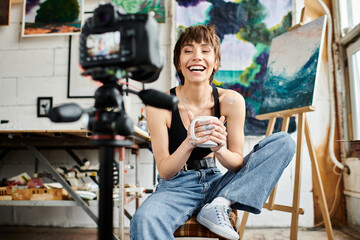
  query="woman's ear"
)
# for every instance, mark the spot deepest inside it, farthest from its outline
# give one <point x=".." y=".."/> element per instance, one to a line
<point x="216" y="66"/>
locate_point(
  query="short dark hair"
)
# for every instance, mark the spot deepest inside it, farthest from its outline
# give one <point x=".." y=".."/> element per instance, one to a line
<point x="197" y="33"/>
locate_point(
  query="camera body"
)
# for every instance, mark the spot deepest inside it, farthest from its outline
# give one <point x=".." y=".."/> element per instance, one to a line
<point x="111" y="40"/>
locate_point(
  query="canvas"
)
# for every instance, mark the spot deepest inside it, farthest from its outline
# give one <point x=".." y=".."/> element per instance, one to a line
<point x="4" y="12"/>
<point x="246" y="29"/>
<point x="144" y="6"/>
<point x="291" y="72"/>
<point x="51" y="17"/>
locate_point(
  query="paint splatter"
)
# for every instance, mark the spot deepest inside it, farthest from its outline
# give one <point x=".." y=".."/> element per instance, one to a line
<point x="231" y="101"/>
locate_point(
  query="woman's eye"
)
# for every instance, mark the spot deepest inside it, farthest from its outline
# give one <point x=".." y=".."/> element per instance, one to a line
<point x="187" y="51"/>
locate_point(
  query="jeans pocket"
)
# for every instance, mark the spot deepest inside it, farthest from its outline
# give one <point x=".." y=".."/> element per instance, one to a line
<point x="175" y="176"/>
<point x="160" y="179"/>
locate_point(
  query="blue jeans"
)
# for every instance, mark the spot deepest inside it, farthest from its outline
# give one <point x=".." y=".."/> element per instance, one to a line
<point x="183" y="196"/>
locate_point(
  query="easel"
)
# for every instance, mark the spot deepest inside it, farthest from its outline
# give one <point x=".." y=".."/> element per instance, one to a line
<point x="295" y="210"/>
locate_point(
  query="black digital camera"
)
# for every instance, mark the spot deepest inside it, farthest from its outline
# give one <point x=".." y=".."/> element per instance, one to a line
<point x="111" y="40"/>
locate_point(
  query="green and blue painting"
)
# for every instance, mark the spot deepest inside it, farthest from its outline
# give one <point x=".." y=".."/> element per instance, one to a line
<point x="246" y="29"/>
<point x="293" y="63"/>
<point x="144" y="6"/>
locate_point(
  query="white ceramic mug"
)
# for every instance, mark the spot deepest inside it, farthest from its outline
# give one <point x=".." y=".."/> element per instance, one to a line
<point x="207" y="144"/>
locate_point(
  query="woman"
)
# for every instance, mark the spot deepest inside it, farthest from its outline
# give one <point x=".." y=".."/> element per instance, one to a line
<point x="189" y="181"/>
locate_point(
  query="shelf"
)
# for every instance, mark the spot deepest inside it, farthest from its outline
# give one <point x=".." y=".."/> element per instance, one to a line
<point x="17" y="1"/>
<point x="52" y="203"/>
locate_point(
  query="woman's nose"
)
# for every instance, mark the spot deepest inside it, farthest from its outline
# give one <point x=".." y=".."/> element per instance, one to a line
<point x="197" y="55"/>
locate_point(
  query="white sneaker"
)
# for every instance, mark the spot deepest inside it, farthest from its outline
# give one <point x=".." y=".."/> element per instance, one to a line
<point x="216" y="219"/>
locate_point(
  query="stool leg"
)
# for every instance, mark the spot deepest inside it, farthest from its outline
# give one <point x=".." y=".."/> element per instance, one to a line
<point x="243" y="224"/>
<point x="297" y="181"/>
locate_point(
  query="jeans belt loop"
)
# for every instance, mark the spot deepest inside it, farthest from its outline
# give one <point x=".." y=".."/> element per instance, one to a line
<point x="185" y="167"/>
<point x="208" y="162"/>
<point x="204" y="164"/>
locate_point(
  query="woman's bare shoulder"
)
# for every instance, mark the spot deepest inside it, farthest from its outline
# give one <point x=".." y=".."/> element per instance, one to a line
<point x="230" y="96"/>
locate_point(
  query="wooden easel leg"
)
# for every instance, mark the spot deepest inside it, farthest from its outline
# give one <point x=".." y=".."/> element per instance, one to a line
<point x="243" y="225"/>
<point x="297" y="181"/>
<point x="269" y="130"/>
<point x="284" y="128"/>
<point x="318" y="182"/>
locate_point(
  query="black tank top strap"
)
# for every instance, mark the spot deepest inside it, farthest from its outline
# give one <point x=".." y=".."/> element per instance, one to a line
<point x="216" y="102"/>
<point x="172" y="91"/>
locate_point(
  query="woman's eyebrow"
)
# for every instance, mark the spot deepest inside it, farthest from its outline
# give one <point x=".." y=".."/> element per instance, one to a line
<point x="192" y="45"/>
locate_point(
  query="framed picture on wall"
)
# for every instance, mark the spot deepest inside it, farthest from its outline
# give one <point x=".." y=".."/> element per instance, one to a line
<point x="44" y="104"/>
<point x="4" y="12"/>
<point x="51" y="17"/>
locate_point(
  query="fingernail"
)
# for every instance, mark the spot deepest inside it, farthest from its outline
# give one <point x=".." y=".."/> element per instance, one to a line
<point x="207" y="127"/>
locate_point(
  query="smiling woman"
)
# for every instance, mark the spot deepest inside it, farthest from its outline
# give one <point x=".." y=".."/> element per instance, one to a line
<point x="197" y="62"/>
<point x="189" y="181"/>
<point x="207" y="43"/>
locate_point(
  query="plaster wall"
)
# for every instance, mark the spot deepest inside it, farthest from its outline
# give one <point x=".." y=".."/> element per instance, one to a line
<point x="33" y="67"/>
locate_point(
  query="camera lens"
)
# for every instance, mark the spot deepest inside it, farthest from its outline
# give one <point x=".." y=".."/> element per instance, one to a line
<point x="104" y="15"/>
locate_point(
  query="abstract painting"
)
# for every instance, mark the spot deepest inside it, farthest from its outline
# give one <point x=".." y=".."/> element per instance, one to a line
<point x="246" y="29"/>
<point x="51" y="17"/>
<point x="293" y="63"/>
<point x="4" y="12"/>
<point x="144" y="6"/>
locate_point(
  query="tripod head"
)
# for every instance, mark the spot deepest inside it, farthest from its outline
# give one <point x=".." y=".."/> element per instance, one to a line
<point x="107" y="119"/>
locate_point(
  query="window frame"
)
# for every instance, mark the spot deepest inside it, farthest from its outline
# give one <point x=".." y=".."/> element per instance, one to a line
<point x="354" y="89"/>
<point x="344" y="40"/>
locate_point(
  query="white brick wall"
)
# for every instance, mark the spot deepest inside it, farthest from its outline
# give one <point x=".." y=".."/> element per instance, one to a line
<point x="37" y="66"/>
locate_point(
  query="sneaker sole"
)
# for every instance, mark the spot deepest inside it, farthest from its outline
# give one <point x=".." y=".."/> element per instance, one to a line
<point x="214" y="228"/>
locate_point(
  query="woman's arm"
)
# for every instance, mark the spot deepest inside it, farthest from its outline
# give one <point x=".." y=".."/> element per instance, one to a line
<point x="232" y="106"/>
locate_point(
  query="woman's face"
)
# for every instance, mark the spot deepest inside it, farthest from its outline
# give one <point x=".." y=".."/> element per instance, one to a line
<point x="197" y="61"/>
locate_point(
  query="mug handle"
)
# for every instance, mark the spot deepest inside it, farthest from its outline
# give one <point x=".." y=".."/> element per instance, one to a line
<point x="192" y="126"/>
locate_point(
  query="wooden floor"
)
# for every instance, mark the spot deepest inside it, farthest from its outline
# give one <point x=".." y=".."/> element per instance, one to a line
<point x="48" y="233"/>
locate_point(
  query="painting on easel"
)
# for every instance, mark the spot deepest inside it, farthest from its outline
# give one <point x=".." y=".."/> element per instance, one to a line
<point x="4" y="12"/>
<point x="292" y="68"/>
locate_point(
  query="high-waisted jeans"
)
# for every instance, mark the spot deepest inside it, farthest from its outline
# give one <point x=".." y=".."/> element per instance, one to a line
<point x="179" y="198"/>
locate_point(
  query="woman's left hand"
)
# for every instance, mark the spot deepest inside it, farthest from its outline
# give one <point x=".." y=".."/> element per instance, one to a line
<point x="219" y="134"/>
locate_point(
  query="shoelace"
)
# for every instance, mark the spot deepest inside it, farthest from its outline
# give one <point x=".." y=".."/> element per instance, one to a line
<point x="222" y="213"/>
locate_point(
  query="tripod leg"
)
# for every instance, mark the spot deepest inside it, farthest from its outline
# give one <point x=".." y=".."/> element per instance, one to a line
<point x="106" y="192"/>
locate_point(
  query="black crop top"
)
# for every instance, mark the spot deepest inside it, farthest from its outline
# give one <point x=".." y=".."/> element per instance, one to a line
<point x="177" y="132"/>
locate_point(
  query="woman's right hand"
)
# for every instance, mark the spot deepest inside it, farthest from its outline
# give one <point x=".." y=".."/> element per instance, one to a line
<point x="202" y="130"/>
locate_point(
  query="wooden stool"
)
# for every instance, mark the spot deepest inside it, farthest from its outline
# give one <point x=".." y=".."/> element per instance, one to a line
<point x="192" y="228"/>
